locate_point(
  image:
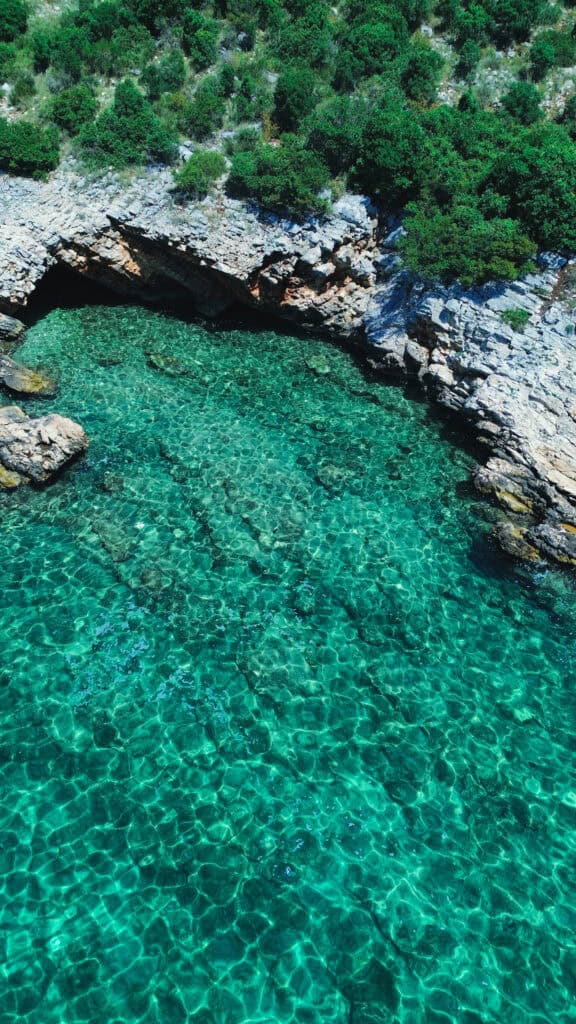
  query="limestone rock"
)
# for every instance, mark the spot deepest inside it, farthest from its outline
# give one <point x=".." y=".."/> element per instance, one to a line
<point x="11" y="331"/>
<point x="515" y="391"/>
<point x="23" y="381"/>
<point x="36" y="449"/>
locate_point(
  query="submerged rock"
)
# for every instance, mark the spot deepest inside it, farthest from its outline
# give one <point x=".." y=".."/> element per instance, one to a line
<point x="22" y="380"/>
<point x="11" y="330"/>
<point x="35" y="449"/>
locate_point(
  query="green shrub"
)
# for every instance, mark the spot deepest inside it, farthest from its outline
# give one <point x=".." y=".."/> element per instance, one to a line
<point x="205" y="113"/>
<point x="41" y="45"/>
<point x="200" y="172"/>
<point x="227" y="79"/>
<point x="200" y="39"/>
<point x="283" y="178"/>
<point x="27" y="149"/>
<point x="390" y="160"/>
<point x="542" y="58"/>
<point x="522" y="102"/>
<point x="166" y="75"/>
<point x="22" y="89"/>
<point x="13" y="19"/>
<point x="307" y="37"/>
<point x="294" y="97"/>
<point x="69" y="49"/>
<point x="516" y="318"/>
<point x="7" y="59"/>
<point x="460" y="243"/>
<point x="74" y="107"/>
<point x="368" y="48"/>
<point x="421" y="75"/>
<point x="335" y="131"/>
<point x="468" y="58"/>
<point x="127" y="132"/>
<point x="244" y="140"/>
<point x="536" y="171"/>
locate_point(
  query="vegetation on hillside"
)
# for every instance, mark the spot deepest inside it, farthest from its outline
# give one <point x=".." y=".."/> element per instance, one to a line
<point x="462" y="113"/>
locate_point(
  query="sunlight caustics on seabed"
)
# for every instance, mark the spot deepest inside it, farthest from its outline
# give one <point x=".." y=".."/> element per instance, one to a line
<point x="276" y="745"/>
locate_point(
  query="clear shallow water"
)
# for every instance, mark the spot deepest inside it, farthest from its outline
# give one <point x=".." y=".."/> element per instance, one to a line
<point x="273" y="747"/>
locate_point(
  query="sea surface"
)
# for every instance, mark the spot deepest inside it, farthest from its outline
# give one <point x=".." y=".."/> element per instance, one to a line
<point x="283" y="739"/>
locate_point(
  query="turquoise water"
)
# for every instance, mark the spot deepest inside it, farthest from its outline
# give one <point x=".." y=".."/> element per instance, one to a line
<point x="281" y="740"/>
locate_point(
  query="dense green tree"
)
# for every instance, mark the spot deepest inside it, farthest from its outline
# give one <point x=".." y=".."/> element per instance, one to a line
<point x="542" y="58"/>
<point x="283" y="178"/>
<point x="69" y="49"/>
<point x="7" y="59"/>
<point x="166" y="75"/>
<point x="468" y="59"/>
<point x="74" y="107"/>
<point x="227" y="80"/>
<point x="200" y="172"/>
<point x="421" y="75"/>
<point x="294" y="97"/>
<point x="460" y="243"/>
<point x="390" y="162"/>
<point x="13" y="19"/>
<point x="335" y="131"/>
<point x="23" y="87"/>
<point x="127" y="132"/>
<point x="367" y="49"/>
<point x="27" y="149"/>
<point x="306" y="38"/>
<point x="522" y="101"/>
<point x="415" y="11"/>
<point x="200" y="37"/>
<point x="537" y="173"/>
<point x="41" y="46"/>
<point x="205" y="114"/>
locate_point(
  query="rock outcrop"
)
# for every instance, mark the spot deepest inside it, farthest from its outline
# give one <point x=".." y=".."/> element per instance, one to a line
<point x="338" y="276"/>
<point x="34" y="450"/>
<point x="11" y="330"/>
<point x="21" y="380"/>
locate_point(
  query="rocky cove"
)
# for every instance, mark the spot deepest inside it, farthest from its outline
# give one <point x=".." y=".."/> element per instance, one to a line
<point x="339" y="277"/>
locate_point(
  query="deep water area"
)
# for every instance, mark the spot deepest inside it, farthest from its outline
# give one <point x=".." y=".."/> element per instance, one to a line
<point x="282" y="738"/>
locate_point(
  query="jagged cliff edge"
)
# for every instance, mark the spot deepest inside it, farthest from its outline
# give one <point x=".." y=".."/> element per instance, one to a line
<point x="340" y="277"/>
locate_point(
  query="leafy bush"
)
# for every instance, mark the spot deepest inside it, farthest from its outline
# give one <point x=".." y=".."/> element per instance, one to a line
<point x="516" y="318"/>
<point x="166" y="75"/>
<point x="542" y="57"/>
<point x="27" y="149"/>
<point x="469" y="56"/>
<point x="22" y="89"/>
<point x="283" y="178"/>
<point x="389" y="164"/>
<point x="294" y="97"/>
<point x="127" y="132"/>
<point x="200" y="171"/>
<point x="13" y="19"/>
<point x="522" y="102"/>
<point x="74" y="107"/>
<point x="335" y="132"/>
<point x="421" y="75"/>
<point x="205" y="113"/>
<point x="200" y="39"/>
<point x="460" y="243"/>
<point x="537" y="174"/>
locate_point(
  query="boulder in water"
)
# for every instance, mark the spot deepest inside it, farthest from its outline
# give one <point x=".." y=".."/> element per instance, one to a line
<point x="35" y="449"/>
<point x="23" y="381"/>
<point x="11" y="330"/>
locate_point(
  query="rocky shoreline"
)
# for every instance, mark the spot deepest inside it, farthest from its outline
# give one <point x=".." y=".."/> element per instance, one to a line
<point x="340" y="277"/>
